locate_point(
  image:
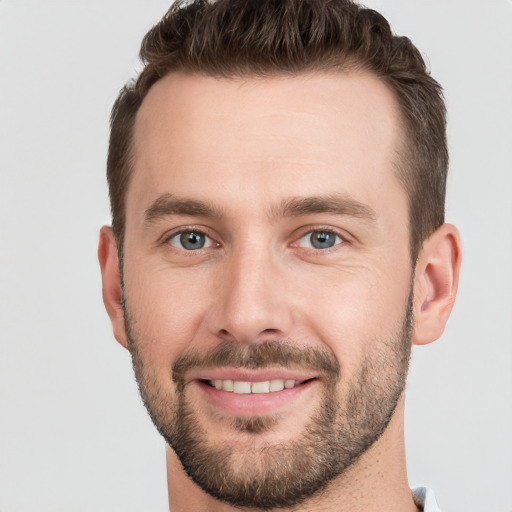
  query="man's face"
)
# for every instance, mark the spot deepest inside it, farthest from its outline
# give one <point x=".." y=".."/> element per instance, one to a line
<point x="267" y="277"/>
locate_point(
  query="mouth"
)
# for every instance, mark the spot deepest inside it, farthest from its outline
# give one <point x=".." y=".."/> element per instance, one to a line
<point x="254" y="393"/>
<point x="242" y="387"/>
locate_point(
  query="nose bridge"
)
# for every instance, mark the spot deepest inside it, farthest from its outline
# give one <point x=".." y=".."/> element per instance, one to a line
<point x="252" y="303"/>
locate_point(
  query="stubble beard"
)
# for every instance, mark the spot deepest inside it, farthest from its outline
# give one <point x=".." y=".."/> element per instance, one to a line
<point x="350" y="418"/>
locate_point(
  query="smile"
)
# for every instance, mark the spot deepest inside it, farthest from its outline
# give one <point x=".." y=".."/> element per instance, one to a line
<point x="245" y="388"/>
<point x="247" y="393"/>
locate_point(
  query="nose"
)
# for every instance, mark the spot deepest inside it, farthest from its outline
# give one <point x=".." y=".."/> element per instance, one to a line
<point x="253" y="300"/>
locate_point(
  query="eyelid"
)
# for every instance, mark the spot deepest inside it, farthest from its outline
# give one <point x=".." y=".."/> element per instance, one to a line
<point x="168" y="235"/>
<point x="173" y="240"/>
<point x="309" y="230"/>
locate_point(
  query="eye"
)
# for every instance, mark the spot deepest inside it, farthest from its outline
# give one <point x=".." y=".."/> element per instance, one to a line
<point x="320" y="239"/>
<point x="191" y="240"/>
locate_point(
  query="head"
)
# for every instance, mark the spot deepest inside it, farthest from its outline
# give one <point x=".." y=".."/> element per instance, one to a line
<point x="277" y="178"/>
<point x="262" y="39"/>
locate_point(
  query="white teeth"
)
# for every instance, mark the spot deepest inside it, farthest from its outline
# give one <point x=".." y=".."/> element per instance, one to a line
<point x="228" y="385"/>
<point x="244" y="388"/>
<point x="276" y="385"/>
<point x="289" y="384"/>
<point x="260" y="387"/>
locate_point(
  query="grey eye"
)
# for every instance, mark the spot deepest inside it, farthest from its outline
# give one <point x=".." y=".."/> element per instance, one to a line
<point x="190" y="240"/>
<point x="320" y="240"/>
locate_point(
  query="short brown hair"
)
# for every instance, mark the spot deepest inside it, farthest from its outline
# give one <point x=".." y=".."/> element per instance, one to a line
<point x="231" y="38"/>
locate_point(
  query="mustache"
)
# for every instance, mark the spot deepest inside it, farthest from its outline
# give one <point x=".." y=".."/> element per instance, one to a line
<point x="269" y="354"/>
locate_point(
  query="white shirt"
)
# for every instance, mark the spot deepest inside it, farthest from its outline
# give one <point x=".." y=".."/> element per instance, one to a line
<point x="424" y="497"/>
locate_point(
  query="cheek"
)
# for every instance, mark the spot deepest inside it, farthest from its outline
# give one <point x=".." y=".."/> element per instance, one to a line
<point x="355" y="310"/>
<point x="166" y="308"/>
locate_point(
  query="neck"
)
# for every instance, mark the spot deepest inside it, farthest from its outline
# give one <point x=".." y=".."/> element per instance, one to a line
<point x="376" y="482"/>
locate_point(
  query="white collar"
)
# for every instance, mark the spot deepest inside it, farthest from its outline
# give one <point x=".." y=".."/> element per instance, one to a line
<point x="425" y="499"/>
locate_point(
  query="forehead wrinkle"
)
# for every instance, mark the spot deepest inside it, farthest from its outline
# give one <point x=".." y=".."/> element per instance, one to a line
<point x="338" y="204"/>
<point x="169" y="204"/>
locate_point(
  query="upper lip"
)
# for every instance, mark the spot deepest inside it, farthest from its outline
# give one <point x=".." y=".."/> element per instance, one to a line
<point x="247" y="375"/>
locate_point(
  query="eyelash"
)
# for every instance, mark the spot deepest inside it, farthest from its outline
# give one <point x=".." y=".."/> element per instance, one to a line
<point x="167" y="239"/>
<point x="340" y="239"/>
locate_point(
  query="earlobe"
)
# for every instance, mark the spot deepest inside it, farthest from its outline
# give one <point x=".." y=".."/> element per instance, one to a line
<point x="435" y="283"/>
<point x="111" y="282"/>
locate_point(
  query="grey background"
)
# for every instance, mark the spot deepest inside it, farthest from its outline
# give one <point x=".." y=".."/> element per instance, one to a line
<point x="73" y="433"/>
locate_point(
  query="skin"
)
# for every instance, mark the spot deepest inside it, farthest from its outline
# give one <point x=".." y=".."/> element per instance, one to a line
<point x="245" y="147"/>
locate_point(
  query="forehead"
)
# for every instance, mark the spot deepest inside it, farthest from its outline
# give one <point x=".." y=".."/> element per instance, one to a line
<point x="221" y="139"/>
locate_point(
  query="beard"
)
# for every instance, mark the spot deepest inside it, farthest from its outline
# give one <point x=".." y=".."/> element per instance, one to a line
<point x="351" y="417"/>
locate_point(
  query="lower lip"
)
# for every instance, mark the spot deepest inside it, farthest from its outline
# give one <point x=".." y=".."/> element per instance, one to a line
<point x="253" y="404"/>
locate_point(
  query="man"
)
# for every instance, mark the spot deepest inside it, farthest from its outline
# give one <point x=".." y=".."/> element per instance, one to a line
<point x="277" y="179"/>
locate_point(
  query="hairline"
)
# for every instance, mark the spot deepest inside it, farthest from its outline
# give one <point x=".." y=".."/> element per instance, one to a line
<point x="402" y="152"/>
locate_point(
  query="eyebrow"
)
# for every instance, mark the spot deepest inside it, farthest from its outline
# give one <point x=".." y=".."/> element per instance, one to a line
<point x="338" y="204"/>
<point x="168" y="204"/>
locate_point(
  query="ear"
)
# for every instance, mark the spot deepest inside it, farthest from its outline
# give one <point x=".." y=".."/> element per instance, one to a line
<point x="436" y="280"/>
<point x="111" y="279"/>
